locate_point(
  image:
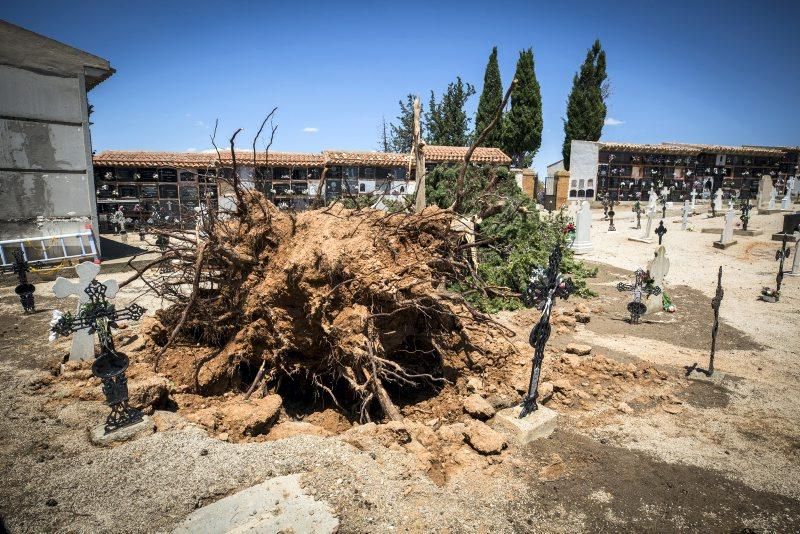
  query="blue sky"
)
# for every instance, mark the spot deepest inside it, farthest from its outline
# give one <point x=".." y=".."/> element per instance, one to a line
<point x="704" y="71"/>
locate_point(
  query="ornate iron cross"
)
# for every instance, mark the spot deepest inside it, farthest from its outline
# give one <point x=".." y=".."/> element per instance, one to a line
<point x="99" y="316"/>
<point x="604" y="201"/>
<point x="781" y="256"/>
<point x="745" y="217"/>
<point x="636" y="307"/>
<point x="715" y="304"/>
<point x="660" y="231"/>
<point x="611" y="214"/>
<point x="544" y="287"/>
<point x="637" y="209"/>
<point x="24" y="289"/>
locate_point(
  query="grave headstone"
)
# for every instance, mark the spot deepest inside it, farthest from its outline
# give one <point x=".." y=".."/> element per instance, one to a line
<point x="583" y="224"/>
<point x="645" y="238"/>
<point x="694" y="198"/>
<point x="764" y="191"/>
<point x="651" y="203"/>
<point x="82" y="341"/>
<point x="718" y="200"/>
<point x="772" y="197"/>
<point x="658" y="269"/>
<point x="685" y="218"/>
<point x="726" y="240"/>
<point x="786" y="202"/>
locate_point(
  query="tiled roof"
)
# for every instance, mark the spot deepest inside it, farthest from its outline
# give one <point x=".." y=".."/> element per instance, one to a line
<point x="433" y="154"/>
<point x="692" y="149"/>
<point x="378" y="159"/>
<point x="141" y="158"/>
<point x="441" y="154"/>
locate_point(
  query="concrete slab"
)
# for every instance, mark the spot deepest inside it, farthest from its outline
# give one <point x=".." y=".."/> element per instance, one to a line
<point x="748" y="233"/>
<point x="276" y="505"/>
<point x="769" y="212"/>
<point x="711" y="231"/>
<point x="641" y="239"/>
<point x="723" y="246"/>
<point x="98" y="436"/>
<point x="536" y="425"/>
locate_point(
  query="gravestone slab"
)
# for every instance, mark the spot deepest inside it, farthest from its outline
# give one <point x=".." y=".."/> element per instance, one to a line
<point x="658" y="268"/>
<point x="583" y="224"/>
<point x="765" y="191"/>
<point x="276" y="505"/>
<point x="726" y="240"/>
<point x="645" y="238"/>
<point x="99" y="436"/>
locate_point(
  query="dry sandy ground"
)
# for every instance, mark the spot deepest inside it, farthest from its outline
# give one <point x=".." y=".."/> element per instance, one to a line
<point x="726" y="459"/>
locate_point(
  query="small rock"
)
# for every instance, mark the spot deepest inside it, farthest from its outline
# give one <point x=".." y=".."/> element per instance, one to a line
<point x="582" y="307"/>
<point x="149" y="392"/>
<point x="562" y="385"/>
<point x="483" y="439"/>
<point x="296" y="428"/>
<point x="474" y="384"/>
<point x="203" y="452"/>
<point x="672" y="408"/>
<point x="583" y="318"/>
<point x="545" y="392"/>
<point x="51" y="502"/>
<point x="452" y="433"/>
<point x="579" y="349"/>
<point x="478" y="407"/>
<point x="624" y="407"/>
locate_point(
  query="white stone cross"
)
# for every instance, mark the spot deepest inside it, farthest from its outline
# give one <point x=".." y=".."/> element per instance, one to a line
<point x="694" y="197"/>
<point x="786" y="201"/>
<point x="82" y="341"/>
<point x="686" y="210"/>
<point x="651" y="203"/>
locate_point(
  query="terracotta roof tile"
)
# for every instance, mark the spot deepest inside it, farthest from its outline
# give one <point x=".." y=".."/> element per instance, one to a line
<point x="433" y="154"/>
<point x="378" y="159"/>
<point x="442" y="154"/>
<point x="691" y="149"/>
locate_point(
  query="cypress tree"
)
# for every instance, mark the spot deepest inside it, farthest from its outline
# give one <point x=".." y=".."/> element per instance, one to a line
<point x="401" y="135"/>
<point x="523" y="123"/>
<point x="490" y="100"/>
<point x="586" y="107"/>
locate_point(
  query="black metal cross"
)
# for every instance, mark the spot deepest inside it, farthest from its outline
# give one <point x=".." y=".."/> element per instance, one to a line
<point x="611" y="214"/>
<point x="604" y="201"/>
<point x="99" y="316"/>
<point x="637" y="209"/>
<point x="636" y="307"/>
<point x="24" y="289"/>
<point x="713" y="208"/>
<point x="745" y="217"/>
<point x="715" y="304"/>
<point x="660" y="231"/>
<point x="544" y="287"/>
<point x="781" y="255"/>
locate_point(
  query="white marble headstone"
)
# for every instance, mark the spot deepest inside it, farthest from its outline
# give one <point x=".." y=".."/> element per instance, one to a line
<point x="686" y="211"/>
<point x="583" y="224"/>
<point x="772" y="197"/>
<point x="658" y="269"/>
<point x="765" y="191"/>
<point x="727" y="230"/>
<point x="718" y="200"/>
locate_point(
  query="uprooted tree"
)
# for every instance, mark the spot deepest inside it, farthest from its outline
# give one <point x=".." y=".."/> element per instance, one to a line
<point x="355" y="304"/>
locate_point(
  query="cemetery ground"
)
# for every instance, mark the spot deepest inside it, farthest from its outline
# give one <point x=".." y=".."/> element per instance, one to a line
<point x="639" y="446"/>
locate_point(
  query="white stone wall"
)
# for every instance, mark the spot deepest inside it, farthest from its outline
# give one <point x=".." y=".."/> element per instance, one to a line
<point x="583" y="169"/>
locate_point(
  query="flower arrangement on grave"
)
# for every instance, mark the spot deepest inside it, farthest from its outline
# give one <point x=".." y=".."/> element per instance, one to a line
<point x="666" y="303"/>
<point x="569" y="231"/>
<point x="769" y="292"/>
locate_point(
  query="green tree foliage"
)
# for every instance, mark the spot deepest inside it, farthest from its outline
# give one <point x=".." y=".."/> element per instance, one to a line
<point x="401" y="135"/>
<point x="517" y="238"/>
<point x="586" y="107"/>
<point x="490" y="100"/>
<point x="522" y="127"/>
<point x="446" y="122"/>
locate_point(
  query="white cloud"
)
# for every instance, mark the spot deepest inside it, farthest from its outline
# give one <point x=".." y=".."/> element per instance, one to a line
<point x="191" y="150"/>
<point x="310" y="129"/>
<point x="201" y="124"/>
<point x="611" y="121"/>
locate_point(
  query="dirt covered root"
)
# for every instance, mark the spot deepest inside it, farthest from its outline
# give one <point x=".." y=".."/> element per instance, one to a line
<point x="348" y="304"/>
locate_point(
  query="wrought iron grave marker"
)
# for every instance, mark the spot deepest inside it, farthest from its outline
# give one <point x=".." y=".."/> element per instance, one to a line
<point x="636" y="307"/>
<point x="660" y="231"/>
<point x="99" y="316"/>
<point x="544" y="287"/>
<point x="24" y="289"/>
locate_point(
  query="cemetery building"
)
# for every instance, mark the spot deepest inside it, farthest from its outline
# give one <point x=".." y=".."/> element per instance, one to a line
<point x="174" y="183"/>
<point x="46" y="178"/>
<point x="627" y="171"/>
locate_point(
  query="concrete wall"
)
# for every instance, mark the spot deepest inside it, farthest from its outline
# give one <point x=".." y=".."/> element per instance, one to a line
<point x="583" y="168"/>
<point x="46" y="177"/>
